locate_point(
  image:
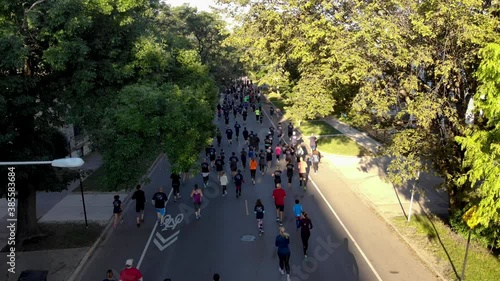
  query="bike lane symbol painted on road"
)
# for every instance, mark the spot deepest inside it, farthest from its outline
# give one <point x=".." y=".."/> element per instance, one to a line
<point x="171" y="223"/>
<point x="163" y="243"/>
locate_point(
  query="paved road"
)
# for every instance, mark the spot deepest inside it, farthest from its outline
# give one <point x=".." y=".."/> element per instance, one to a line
<point x="214" y="244"/>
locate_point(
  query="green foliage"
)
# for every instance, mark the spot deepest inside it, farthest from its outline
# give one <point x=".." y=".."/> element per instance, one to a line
<point x="121" y="70"/>
<point x="482" y="144"/>
<point x="404" y="64"/>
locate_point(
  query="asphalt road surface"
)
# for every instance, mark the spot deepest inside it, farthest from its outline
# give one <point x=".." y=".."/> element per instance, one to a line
<point x="225" y="240"/>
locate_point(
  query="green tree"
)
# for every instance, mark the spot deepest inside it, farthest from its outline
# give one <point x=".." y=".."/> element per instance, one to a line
<point x="482" y="144"/>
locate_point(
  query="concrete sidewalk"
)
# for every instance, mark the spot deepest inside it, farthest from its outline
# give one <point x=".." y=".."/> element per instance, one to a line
<point x="368" y="176"/>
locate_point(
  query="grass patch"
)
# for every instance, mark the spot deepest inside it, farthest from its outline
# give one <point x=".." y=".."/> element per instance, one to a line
<point x="317" y="127"/>
<point x="94" y="181"/>
<point x="341" y="145"/>
<point x="446" y="250"/>
<point x="64" y="236"/>
<point x="277" y="100"/>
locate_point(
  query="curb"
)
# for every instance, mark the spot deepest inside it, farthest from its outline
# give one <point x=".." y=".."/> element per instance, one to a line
<point x="105" y="233"/>
<point x="372" y="206"/>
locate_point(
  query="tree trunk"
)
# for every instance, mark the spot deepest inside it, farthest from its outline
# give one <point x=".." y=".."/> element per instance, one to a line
<point x="27" y="224"/>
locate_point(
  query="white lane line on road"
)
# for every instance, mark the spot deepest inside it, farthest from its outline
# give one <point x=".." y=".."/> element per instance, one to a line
<point x="336" y="216"/>
<point x="150" y="237"/>
<point x="246" y="206"/>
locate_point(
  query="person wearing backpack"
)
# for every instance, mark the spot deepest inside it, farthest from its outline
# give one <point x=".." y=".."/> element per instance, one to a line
<point x="316" y="159"/>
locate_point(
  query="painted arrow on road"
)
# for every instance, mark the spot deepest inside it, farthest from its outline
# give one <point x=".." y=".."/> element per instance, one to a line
<point x="163" y="243"/>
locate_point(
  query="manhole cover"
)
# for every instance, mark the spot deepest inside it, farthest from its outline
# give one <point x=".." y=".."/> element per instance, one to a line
<point x="247" y="238"/>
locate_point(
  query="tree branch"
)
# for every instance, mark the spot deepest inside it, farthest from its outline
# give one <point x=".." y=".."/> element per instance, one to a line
<point x="34" y="5"/>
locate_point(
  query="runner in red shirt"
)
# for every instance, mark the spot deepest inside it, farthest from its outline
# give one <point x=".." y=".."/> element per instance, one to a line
<point x="130" y="273"/>
<point x="279" y="200"/>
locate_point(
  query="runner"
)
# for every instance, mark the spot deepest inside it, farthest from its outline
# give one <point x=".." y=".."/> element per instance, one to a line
<point x="237" y="131"/>
<point x="110" y="276"/>
<point x="205" y="172"/>
<point x="140" y="202"/>
<point x="271" y="131"/>
<point x="261" y="119"/>
<point x="277" y="152"/>
<point x="288" y="154"/>
<point x="226" y="119"/>
<point x="244" y="114"/>
<point x="233" y="164"/>
<point x="160" y="200"/>
<point x="269" y="157"/>
<point x="279" y="131"/>
<point x="223" y="183"/>
<point x="277" y="177"/>
<point x="197" y="195"/>
<point x="316" y="159"/>
<point x="130" y="273"/>
<point x="290" y="168"/>
<point x="253" y="169"/>
<point x="302" y="165"/>
<point x="212" y="153"/>
<point x="312" y="142"/>
<point x="282" y="242"/>
<point x="117" y="211"/>
<point x="297" y="210"/>
<point x="259" y="215"/>
<point x="219" y="166"/>
<point x="218" y="133"/>
<point x="290" y="130"/>
<point x="251" y="152"/>
<point x="279" y="196"/>
<point x="294" y="140"/>
<point x="271" y="111"/>
<point x="238" y="181"/>
<point x="305" y="231"/>
<point x="229" y="134"/>
<point x="257" y="113"/>
<point x="299" y="153"/>
<point x="262" y="161"/>
<point x="222" y="155"/>
<point x="243" y="158"/>
<point x="245" y="135"/>
<point x="268" y="141"/>
<point x="176" y="184"/>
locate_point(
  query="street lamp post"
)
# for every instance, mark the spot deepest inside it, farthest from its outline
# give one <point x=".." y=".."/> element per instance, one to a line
<point x="83" y="198"/>
<point x="60" y="163"/>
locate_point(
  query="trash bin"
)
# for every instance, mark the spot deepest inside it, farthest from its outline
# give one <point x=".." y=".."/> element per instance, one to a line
<point x="33" y="275"/>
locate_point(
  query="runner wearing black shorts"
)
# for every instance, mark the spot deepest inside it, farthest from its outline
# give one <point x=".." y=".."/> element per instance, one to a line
<point x="289" y="173"/>
<point x="176" y="183"/>
<point x="277" y="177"/>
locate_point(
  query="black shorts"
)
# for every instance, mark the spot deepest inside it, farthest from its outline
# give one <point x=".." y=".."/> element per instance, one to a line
<point x="290" y="178"/>
<point x="139" y="208"/>
<point x="175" y="187"/>
<point x="302" y="175"/>
<point x="281" y="208"/>
<point x="234" y="168"/>
<point x="212" y="157"/>
<point x="252" y="173"/>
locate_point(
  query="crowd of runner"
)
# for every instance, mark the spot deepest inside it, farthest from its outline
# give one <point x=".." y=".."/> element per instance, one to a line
<point x="238" y="101"/>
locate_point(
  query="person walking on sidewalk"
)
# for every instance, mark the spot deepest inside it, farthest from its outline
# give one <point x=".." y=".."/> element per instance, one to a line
<point x="282" y="243"/>
<point x="279" y="196"/>
<point x="316" y="159"/>
<point x="159" y="201"/>
<point x="130" y="273"/>
<point x="176" y="184"/>
<point x="197" y="196"/>
<point x="305" y="231"/>
<point x="259" y="215"/>
<point x="117" y="211"/>
<point x="223" y="182"/>
<point x="253" y="169"/>
<point x="140" y="201"/>
<point x="297" y="210"/>
<point x="238" y="182"/>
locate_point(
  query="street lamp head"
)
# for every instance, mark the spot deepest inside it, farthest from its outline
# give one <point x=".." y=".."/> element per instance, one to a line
<point x="68" y="162"/>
